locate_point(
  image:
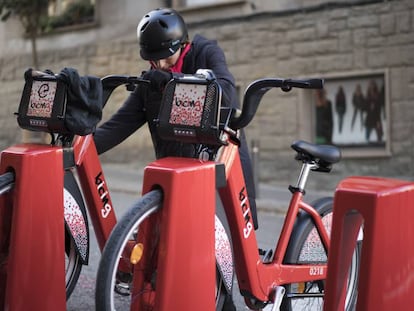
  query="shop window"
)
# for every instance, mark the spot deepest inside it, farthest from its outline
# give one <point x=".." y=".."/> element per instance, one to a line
<point x="351" y="112"/>
<point x="193" y="3"/>
<point x="67" y="13"/>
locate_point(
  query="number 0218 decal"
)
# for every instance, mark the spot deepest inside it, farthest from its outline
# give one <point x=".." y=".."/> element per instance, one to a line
<point x="316" y="270"/>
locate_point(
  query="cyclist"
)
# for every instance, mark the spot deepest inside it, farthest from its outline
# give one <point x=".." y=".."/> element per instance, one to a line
<point x="164" y="42"/>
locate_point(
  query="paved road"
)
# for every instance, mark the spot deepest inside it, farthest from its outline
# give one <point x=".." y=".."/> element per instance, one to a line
<point x="125" y="184"/>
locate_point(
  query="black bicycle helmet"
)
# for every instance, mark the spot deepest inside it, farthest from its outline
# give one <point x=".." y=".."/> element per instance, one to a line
<point x="160" y="33"/>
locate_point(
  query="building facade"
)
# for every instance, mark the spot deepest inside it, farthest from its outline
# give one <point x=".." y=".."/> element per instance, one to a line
<point x="359" y="44"/>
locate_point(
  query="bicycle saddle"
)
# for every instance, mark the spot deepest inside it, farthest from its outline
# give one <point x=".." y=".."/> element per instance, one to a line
<point x="325" y="153"/>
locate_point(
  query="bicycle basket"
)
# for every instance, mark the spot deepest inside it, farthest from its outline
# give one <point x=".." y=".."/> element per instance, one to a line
<point x="43" y="104"/>
<point x="190" y="110"/>
<point x="64" y="104"/>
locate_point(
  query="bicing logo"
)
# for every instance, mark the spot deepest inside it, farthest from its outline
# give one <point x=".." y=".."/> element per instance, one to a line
<point x="103" y="194"/>
<point x="42" y="97"/>
<point x="248" y="225"/>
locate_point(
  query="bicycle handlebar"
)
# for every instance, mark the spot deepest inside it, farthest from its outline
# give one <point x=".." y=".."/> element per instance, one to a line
<point x="252" y="96"/>
<point x="255" y="91"/>
<point x="111" y="82"/>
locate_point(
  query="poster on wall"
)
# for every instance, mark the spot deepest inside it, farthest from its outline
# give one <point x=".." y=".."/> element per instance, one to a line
<point x="351" y="112"/>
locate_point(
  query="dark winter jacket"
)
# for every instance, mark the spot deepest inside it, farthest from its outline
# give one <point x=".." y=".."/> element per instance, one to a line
<point x="143" y="104"/>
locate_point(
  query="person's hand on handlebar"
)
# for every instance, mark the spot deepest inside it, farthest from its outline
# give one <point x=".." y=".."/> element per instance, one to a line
<point x="158" y="78"/>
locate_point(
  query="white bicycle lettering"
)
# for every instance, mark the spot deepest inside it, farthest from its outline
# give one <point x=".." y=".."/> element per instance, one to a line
<point x="315" y="270"/>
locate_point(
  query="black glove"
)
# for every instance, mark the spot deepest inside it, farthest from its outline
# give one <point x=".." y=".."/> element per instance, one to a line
<point x="158" y="78"/>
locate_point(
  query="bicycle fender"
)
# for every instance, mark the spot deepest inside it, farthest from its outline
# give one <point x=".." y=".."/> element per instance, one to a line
<point x="321" y="205"/>
<point x="76" y="217"/>
<point x="224" y="256"/>
<point x="302" y="222"/>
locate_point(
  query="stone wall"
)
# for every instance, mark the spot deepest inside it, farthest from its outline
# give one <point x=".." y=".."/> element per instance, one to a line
<point x="320" y="41"/>
<point x="324" y="42"/>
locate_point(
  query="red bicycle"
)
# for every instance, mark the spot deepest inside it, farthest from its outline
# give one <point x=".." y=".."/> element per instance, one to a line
<point x="167" y="252"/>
<point x="46" y="193"/>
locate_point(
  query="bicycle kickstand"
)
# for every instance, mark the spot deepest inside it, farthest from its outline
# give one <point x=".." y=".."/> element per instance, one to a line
<point x="279" y="293"/>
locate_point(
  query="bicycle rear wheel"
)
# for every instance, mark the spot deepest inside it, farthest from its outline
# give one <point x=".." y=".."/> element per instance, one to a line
<point x="306" y="247"/>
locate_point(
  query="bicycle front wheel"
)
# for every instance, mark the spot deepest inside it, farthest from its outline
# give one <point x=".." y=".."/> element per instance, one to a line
<point x="305" y="247"/>
<point x="6" y="182"/>
<point x="136" y="237"/>
<point x="73" y="265"/>
<point x="114" y="288"/>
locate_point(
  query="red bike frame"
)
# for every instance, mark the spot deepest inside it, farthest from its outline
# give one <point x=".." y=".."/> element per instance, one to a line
<point x="35" y="209"/>
<point x="29" y="266"/>
<point x="94" y="187"/>
<point x="32" y="241"/>
<point x="186" y="244"/>
<point x="185" y="249"/>
<point x="254" y="276"/>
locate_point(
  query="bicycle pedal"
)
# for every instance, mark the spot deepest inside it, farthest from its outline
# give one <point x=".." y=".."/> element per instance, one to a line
<point x="122" y="289"/>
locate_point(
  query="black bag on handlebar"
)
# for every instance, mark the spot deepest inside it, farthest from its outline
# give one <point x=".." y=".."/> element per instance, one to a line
<point x="190" y="109"/>
<point x="65" y="103"/>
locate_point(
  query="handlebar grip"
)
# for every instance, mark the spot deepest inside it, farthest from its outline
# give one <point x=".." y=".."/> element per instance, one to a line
<point x="315" y="84"/>
<point x="255" y="91"/>
<point x="111" y="82"/>
<point x="304" y="84"/>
